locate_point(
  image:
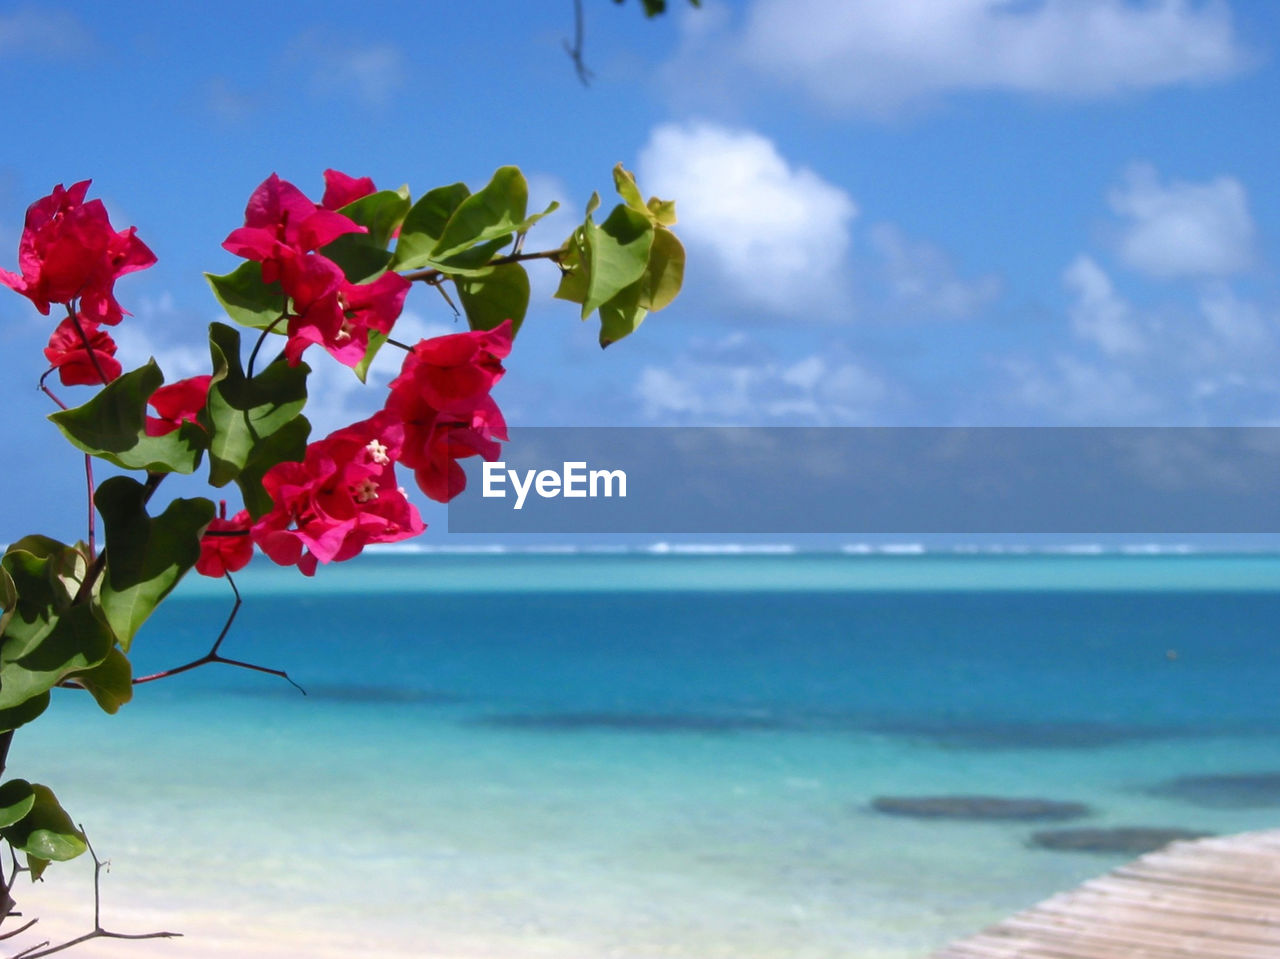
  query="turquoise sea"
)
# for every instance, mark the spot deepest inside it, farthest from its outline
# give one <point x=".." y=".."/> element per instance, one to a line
<point x="629" y="755"/>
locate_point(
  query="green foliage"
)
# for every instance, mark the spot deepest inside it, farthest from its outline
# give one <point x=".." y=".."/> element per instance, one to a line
<point x="113" y="424"/>
<point x="110" y="683"/>
<point x="450" y="222"/>
<point x="501" y="294"/>
<point x="145" y="557"/>
<point x="45" y="832"/>
<point x="364" y="256"/>
<point x="47" y="638"/>
<point x="46" y="576"/>
<point x="78" y="639"/>
<point x="254" y="423"/>
<point x="16" y="799"/>
<point x="248" y="300"/>
<point x="8" y="598"/>
<point x="627" y="266"/>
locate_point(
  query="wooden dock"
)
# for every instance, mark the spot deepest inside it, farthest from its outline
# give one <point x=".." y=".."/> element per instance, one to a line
<point x="1213" y="898"/>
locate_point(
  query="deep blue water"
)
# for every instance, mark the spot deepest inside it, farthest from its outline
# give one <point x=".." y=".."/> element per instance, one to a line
<point x="967" y="667"/>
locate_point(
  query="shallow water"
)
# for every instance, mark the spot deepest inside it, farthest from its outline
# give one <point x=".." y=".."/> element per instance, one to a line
<point x="640" y="756"/>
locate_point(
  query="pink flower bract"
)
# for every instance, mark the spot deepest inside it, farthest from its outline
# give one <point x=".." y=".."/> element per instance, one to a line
<point x="280" y="224"/>
<point x="69" y="251"/>
<point x="340" y="189"/>
<point x="78" y="365"/>
<point x="226" y="545"/>
<point x="442" y="398"/>
<point x="177" y="403"/>
<point x="339" y="499"/>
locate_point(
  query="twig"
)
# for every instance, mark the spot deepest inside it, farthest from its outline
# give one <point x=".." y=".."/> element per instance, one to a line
<point x="213" y="656"/>
<point x="44" y="949"/>
<point x="262" y="338"/>
<point x="88" y="464"/>
<point x="84" y="339"/>
<point x="575" y="51"/>
<point x="434" y="276"/>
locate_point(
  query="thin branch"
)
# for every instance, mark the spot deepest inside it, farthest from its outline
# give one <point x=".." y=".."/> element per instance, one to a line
<point x="435" y="276"/>
<point x="214" y="656"/>
<point x="84" y="339"/>
<point x="261" y="339"/>
<point x="575" y="51"/>
<point x="88" y="463"/>
<point x="44" y="949"/>
<point x="447" y="298"/>
<point x="20" y="930"/>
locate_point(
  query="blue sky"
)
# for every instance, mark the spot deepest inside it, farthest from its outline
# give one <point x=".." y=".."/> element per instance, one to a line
<point x="931" y="212"/>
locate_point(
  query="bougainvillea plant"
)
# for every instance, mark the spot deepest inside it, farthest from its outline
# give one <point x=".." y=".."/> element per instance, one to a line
<point x="317" y="278"/>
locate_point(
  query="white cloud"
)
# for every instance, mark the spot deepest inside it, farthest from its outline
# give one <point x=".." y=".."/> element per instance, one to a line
<point x="43" y="33"/>
<point x="1183" y="229"/>
<point x="1078" y="391"/>
<point x="921" y="279"/>
<point x="875" y="56"/>
<point x="734" y="382"/>
<point x="778" y="233"/>
<point x="1099" y="314"/>
<point x="371" y="74"/>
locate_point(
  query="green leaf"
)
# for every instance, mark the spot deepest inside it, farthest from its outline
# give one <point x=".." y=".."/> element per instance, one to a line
<point x="495" y="211"/>
<point x="24" y="712"/>
<point x="625" y="183"/>
<point x="110" y="682"/>
<point x="287" y="444"/>
<point x="244" y="296"/>
<point x="46" y="831"/>
<point x="376" y="342"/>
<point x="112" y="425"/>
<point x="573" y="278"/>
<point x="36" y="866"/>
<point x="473" y="261"/>
<point x="663" y="212"/>
<point x="359" y="260"/>
<point x="424" y="225"/>
<point x="617" y="254"/>
<point x="622" y="314"/>
<point x="46" y="575"/>
<point x="501" y="295"/>
<point x="381" y="213"/>
<point x="145" y="557"/>
<point x="8" y="598"/>
<point x="16" y="799"/>
<point x="79" y="640"/>
<point x="664" y="274"/>
<point x="242" y="413"/>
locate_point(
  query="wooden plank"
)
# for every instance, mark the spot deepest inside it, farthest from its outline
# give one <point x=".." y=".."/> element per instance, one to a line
<point x="1216" y="898"/>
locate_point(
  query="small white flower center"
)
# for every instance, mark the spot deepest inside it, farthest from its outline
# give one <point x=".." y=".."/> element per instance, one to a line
<point x="366" y="491"/>
<point x="377" y="453"/>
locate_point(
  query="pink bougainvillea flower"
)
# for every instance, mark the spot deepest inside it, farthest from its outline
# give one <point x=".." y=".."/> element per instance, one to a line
<point x="339" y="499"/>
<point x="340" y="189"/>
<point x="449" y="439"/>
<point x="442" y="398"/>
<point x="69" y="251"/>
<point x="280" y="224"/>
<point x="226" y="545"/>
<point x="78" y="364"/>
<point x="342" y="319"/>
<point x="177" y="403"/>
